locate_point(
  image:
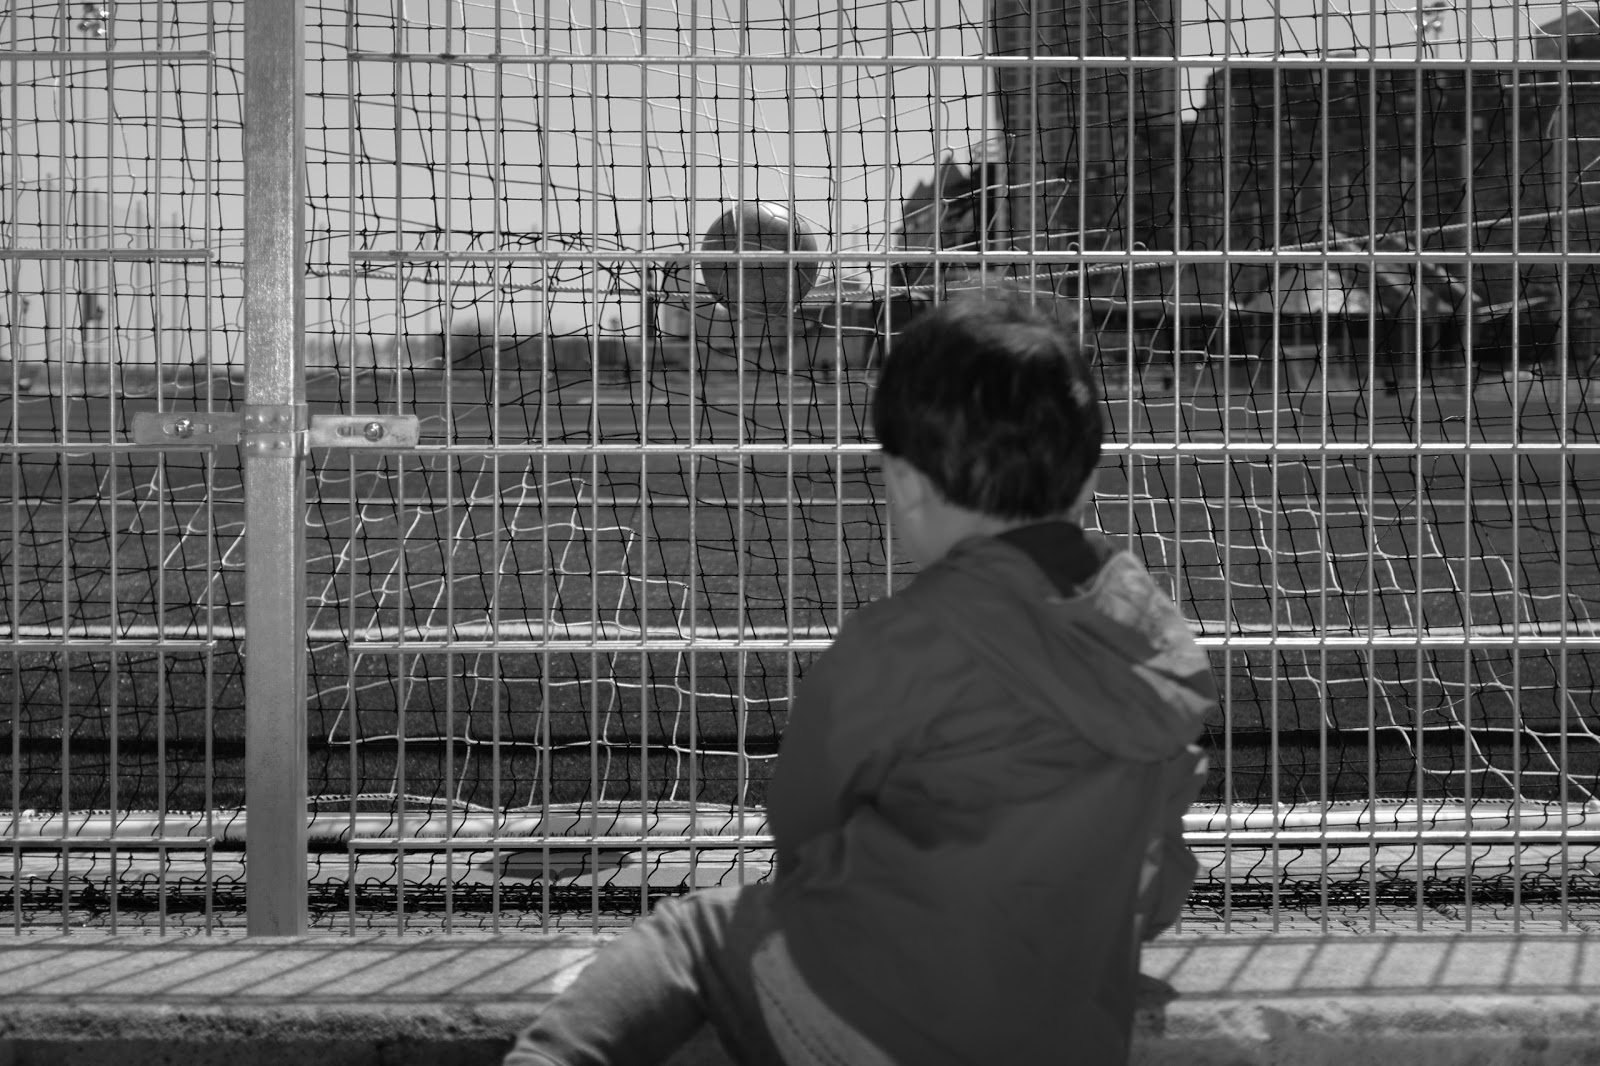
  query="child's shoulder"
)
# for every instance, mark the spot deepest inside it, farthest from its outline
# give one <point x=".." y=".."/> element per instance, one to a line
<point x="892" y="629"/>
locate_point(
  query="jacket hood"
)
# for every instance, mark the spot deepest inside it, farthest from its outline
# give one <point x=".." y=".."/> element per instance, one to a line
<point x="1114" y="657"/>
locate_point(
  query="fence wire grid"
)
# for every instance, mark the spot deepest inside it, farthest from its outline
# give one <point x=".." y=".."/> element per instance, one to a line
<point x="1337" y="266"/>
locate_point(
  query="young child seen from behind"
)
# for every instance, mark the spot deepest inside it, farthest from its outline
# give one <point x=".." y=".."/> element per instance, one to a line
<point x="979" y="795"/>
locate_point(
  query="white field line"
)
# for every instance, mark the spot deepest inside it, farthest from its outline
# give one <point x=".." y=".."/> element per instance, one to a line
<point x="479" y="632"/>
<point x="469" y="631"/>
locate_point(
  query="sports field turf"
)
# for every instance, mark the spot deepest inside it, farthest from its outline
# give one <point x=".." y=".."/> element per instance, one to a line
<point x="1344" y="561"/>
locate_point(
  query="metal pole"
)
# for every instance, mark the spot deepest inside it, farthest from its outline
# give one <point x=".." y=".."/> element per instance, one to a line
<point x="272" y="451"/>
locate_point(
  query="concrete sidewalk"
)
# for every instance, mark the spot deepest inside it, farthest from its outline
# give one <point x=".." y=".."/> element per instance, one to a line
<point x="1412" y="999"/>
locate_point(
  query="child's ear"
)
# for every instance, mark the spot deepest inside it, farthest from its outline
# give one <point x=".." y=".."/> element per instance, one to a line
<point x="906" y="483"/>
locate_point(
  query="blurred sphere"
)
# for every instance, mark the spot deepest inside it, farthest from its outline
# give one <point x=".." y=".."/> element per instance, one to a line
<point x="768" y="288"/>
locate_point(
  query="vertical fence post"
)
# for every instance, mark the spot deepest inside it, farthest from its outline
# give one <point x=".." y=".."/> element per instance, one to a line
<point x="272" y="451"/>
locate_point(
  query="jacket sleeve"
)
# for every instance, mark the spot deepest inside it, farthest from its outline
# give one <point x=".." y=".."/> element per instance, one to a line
<point x="1170" y="867"/>
<point x="848" y="727"/>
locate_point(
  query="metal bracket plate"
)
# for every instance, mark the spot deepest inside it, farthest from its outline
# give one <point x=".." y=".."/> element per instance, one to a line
<point x="269" y="429"/>
<point x="378" y="432"/>
<point x="272" y="429"/>
<point x="186" y="429"/>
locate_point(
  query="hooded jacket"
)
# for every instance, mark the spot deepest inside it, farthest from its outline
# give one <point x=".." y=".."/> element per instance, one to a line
<point x="979" y="802"/>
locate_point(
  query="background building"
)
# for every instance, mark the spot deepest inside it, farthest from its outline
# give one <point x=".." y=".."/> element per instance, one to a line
<point x="963" y="208"/>
<point x="1494" y="159"/>
<point x="1498" y="160"/>
<point x="1088" y="145"/>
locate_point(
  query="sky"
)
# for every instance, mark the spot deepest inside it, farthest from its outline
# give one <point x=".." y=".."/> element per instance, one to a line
<point x="644" y="146"/>
<point x="609" y="125"/>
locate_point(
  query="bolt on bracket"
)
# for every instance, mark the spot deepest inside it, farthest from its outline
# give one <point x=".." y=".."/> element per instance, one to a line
<point x="186" y="429"/>
<point x="378" y="432"/>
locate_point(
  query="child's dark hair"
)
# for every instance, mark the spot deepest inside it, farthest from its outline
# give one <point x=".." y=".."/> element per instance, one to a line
<point x="995" y="404"/>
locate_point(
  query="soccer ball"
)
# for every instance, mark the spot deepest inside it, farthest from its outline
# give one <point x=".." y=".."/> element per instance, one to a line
<point x="759" y="289"/>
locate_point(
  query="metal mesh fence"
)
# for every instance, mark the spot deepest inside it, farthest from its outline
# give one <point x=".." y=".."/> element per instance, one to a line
<point x="1339" y="280"/>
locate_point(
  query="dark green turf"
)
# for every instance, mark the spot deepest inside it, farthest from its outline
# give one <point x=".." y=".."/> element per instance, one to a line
<point x="1252" y="544"/>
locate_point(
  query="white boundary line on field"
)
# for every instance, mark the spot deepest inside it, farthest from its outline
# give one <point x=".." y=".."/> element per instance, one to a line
<point x="472" y="631"/>
<point x="532" y="630"/>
